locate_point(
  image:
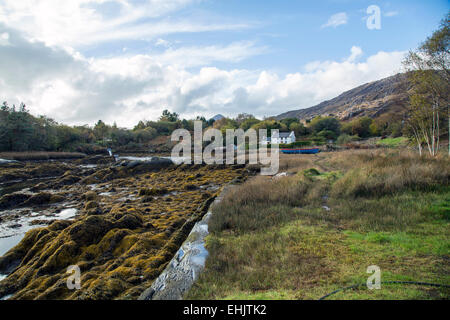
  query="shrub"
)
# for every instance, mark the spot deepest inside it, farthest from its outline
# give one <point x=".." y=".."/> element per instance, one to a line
<point x="346" y="138"/>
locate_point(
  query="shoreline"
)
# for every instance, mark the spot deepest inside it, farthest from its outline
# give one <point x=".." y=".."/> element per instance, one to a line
<point x="187" y="263"/>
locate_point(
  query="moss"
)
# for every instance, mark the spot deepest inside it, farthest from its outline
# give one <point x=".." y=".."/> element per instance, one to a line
<point x="147" y="199"/>
<point x="152" y="191"/>
<point x="311" y="172"/>
<point x="90" y="196"/>
<point x="91" y="205"/>
<point x="13" y="200"/>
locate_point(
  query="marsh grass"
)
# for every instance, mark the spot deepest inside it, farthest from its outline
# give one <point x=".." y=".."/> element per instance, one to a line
<point x="273" y="239"/>
<point x="30" y="156"/>
<point x="259" y="203"/>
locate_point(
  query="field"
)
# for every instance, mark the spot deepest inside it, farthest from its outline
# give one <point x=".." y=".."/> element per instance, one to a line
<point x="320" y="227"/>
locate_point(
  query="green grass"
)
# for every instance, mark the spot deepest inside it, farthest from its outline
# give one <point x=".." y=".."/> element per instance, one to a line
<point x="393" y="142"/>
<point x="272" y="239"/>
<point x="302" y="261"/>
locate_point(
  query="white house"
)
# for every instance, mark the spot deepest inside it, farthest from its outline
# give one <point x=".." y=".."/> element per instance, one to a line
<point x="283" y="137"/>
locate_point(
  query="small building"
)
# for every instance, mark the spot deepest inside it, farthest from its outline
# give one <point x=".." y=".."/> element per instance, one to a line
<point x="283" y="138"/>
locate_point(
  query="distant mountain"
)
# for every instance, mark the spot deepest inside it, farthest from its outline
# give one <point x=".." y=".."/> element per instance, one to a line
<point x="218" y="117"/>
<point x="383" y="98"/>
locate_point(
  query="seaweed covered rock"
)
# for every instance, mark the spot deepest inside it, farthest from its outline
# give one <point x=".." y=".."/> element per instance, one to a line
<point x="90" y="196"/>
<point x="13" y="200"/>
<point x="90" y="205"/>
<point x="90" y="230"/>
<point x="43" y="198"/>
<point x="152" y="191"/>
<point x="39" y="186"/>
<point x="68" y="180"/>
<point x="124" y="239"/>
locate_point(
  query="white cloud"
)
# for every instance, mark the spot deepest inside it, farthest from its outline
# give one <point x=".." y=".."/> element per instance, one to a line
<point x="356" y="53"/>
<point x="72" y="89"/>
<point x="41" y="65"/>
<point x="162" y="43"/>
<point x="336" y="20"/>
<point x="84" y="22"/>
<point x="4" y="39"/>
<point x="202" y="56"/>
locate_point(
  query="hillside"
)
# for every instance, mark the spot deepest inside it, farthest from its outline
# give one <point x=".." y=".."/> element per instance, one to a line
<point x="384" y="97"/>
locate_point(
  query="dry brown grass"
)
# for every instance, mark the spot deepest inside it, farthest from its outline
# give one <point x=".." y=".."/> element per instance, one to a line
<point x="380" y="173"/>
<point x="295" y="163"/>
<point x="29" y="156"/>
<point x="259" y="203"/>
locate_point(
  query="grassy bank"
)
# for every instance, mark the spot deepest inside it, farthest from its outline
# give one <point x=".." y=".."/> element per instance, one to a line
<point x="31" y="156"/>
<point x="308" y="234"/>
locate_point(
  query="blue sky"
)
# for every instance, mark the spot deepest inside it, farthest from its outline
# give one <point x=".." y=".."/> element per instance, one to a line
<point x="125" y="60"/>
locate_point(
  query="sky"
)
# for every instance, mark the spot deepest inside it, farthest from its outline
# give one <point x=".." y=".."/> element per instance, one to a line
<point x="79" y="61"/>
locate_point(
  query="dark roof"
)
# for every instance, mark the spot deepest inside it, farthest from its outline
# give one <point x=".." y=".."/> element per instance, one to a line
<point x="285" y="134"/>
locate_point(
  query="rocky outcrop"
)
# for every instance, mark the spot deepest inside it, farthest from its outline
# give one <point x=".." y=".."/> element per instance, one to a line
<point x="373" y="99"/>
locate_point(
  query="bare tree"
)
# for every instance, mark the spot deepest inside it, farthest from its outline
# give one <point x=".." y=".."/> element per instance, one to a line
<point x="430" y="79"/>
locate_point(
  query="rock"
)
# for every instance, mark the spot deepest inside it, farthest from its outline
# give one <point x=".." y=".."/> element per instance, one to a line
<point x="94" y="212"/>
<point x="13" y="200"/>
<point x="41" y="222"/>
<point x="91" y="205"/>
<point x="43" y="198"/>
<point x="129" y="221"/>
<point x="147" y="199"/>
<point x="39" y="186"/>
<point x="152" y="192"/>
<point x="68" y="180"/>
<point x="90" y="230"/>
<point x="90" y="196"/>
<point x="154" y="164"/>
<point x="133" y="164"/>
<point x="15" y="226"/>
<point x="190" y="187"/>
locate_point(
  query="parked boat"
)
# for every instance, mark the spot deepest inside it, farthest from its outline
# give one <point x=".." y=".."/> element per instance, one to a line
<point x="301" y="151"/>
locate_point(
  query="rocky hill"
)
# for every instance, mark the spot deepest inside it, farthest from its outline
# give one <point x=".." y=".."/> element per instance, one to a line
<point x="382" y="98"/>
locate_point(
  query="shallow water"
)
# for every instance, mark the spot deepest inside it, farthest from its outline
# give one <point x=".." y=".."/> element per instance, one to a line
<point x="176" y="160"/>
<point x="7" y="243"/>
<point x="184" y="269"/>
<point x="10" y="237"/>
